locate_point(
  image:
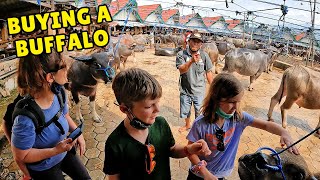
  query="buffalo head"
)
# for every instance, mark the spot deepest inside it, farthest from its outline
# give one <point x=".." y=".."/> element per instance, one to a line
<point x="99" y="65"/>
<point x="260" y="166"/>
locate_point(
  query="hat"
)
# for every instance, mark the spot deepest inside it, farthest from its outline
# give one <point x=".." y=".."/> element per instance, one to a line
<point x="196" y="36"/>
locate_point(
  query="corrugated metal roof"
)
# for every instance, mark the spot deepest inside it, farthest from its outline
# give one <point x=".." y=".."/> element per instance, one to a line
<point x="145" y="11"/>
<point x="166" y="14"/>
<point x="208" y="21"/>
<point x="115" y="6"/>
<point x="300" y="36"/>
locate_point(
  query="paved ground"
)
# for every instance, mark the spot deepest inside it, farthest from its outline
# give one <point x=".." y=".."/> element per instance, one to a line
<point x="300" y="121"/>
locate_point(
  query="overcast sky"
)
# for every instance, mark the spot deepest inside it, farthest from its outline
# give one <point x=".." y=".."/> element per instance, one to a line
<point x="294" y="16"/>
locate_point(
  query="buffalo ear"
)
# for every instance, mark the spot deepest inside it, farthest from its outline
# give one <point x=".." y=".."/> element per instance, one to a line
<point x="83" y="58"/>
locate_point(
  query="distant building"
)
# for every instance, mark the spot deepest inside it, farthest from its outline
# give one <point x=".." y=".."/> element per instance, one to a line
<point x="193" y="21"/>
<point x="216" y="24"/>
<point x="235" y="25"/>
<point x="171" y="17"/>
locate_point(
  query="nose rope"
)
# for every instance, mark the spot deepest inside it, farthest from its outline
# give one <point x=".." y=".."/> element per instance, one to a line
<point x="112" y="73"/>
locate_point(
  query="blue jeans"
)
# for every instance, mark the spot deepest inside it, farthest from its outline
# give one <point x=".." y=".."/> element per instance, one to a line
<point x="185" y="105"/>
<point x="71" y="165"/>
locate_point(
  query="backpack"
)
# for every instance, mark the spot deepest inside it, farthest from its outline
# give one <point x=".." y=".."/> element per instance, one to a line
<point x="28" y="107"/>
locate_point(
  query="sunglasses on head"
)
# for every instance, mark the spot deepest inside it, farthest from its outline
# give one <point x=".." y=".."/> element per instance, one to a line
<point x="150" y="163"/>
<point x="220" y="137"/>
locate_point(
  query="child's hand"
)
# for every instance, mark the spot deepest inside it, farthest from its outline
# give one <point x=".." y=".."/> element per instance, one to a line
<point x="207" y="175"/>
<point x="199" y="147"/>
<point x="287" y="140"/>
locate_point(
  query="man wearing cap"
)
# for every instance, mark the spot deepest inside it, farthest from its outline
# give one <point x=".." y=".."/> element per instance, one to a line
<point x="194" y="66"/>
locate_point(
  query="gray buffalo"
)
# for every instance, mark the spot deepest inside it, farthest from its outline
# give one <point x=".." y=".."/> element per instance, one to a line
<point x="213" y="52"/>
<point x="120" y="51"/>
<point x="224" y="47"/>
<point x="177" y="40"/>
<point x="247" y="62"/>
<point x="159" y="51"/>
<point x="238" y="43"/>
<point x="84" y="75"/>
<point x="260" y="166"/>
<point x="301" y="86"/>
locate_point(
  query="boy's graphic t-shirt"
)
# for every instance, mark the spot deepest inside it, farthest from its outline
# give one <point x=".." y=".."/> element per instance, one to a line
<point x="220" y="163"/>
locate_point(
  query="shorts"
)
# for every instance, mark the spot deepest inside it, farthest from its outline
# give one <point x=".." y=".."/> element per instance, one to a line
<point x="185" y="104"/>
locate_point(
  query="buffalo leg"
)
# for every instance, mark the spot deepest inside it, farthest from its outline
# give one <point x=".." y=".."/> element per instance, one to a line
<point x="75" y="97"/>
<point x="92" y="103"/>
<point x="271" y="66"/>
<point x="285" y="106"/>
<point x="275" y="100"/>
<point x="252" y="80"/>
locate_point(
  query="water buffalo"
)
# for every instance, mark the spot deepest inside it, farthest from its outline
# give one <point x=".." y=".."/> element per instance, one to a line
<point x="246" y="62"/>
<point x="238" y="43"/>
<point x="301" y="86"/>
<point x="272" y="54"/>
<point x="84" y="75"/>
<point x="166" y="51"/>
<point x="139" y="48"/>
<point x="177" y="40"/>
<point x="224" y="47"/>
<point x="122" y="50"/>
<point x="213" y="52"/>
<point x="252" y="45"/>
<point x="141" y="41"/>
<point x="254" y="167"/>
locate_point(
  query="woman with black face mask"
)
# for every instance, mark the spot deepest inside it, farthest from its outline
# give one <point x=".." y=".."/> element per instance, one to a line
<point x="46" y="155"/>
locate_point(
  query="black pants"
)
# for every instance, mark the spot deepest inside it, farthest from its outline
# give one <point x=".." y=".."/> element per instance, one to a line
<point x="192" y="176"/>
<point x="71" y="165"/>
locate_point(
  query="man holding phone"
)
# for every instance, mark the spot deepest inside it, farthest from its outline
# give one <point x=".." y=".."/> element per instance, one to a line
<point x="194" y="66"/>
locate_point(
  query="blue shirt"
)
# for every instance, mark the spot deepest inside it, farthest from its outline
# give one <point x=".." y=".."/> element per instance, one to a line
<point x="24" y="135"/>
<point x="220" y="163"/>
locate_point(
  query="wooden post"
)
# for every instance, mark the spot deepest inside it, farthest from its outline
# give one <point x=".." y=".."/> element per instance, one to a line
<point x="135" y="30"/>
<point x="312" y="33"/>
<point x="51" y="31"/>
<point x="4" y="31"/>
<point x="244" y="18"/>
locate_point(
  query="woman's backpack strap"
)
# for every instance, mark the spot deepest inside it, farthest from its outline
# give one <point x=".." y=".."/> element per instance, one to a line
<point x="28" y="107"/>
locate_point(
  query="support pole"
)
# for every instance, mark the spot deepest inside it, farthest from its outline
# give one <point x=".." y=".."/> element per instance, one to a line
<point x="312" y="33"/>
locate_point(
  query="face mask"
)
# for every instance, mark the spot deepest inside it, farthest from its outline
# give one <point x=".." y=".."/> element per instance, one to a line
<point x="55" y="87"/>
<point x="137" y="123"/>
<point x="223" y="114"/>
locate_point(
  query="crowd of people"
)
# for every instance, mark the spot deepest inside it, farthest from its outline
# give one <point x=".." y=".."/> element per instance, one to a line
<point x="140" y="147"/>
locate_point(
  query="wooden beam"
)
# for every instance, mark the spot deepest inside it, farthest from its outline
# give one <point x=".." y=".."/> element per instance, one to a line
<point x="42" y="3"/>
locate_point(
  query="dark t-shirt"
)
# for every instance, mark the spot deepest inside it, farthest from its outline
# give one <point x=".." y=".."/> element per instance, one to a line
<point x="126" y="156"/>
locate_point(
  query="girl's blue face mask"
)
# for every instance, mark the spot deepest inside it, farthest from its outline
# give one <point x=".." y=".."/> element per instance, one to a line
<point x="223" y="114"/>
